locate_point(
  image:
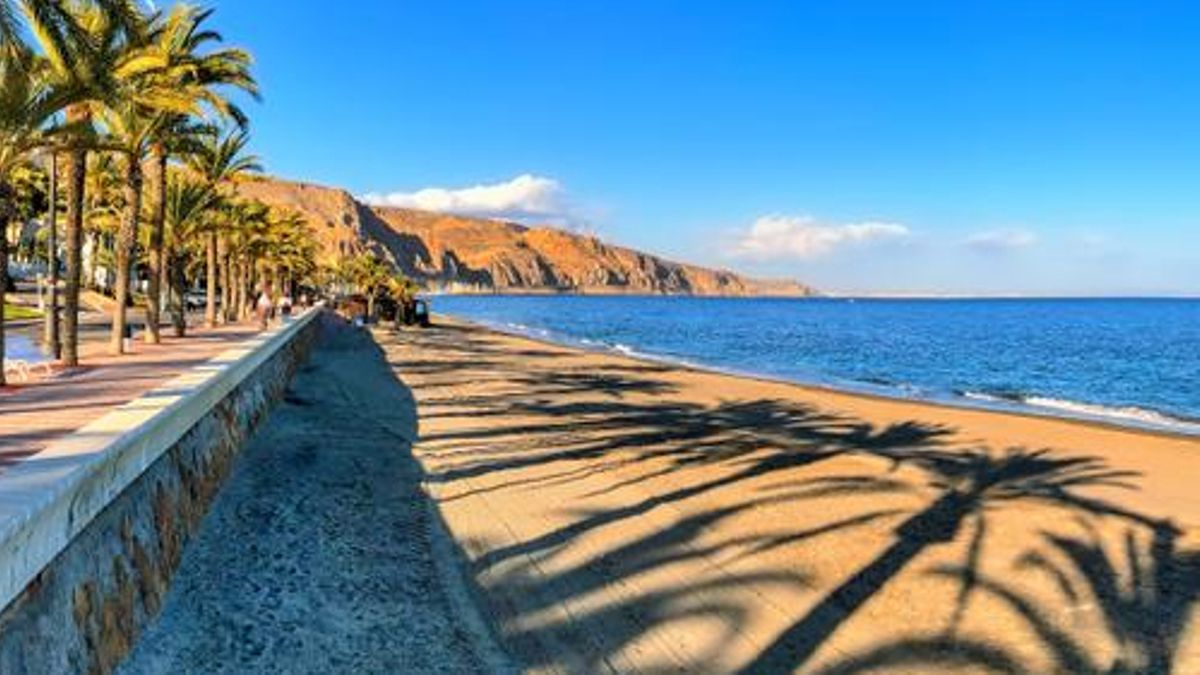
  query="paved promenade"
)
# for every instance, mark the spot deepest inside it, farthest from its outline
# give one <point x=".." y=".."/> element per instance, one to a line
<point x="322" y="553"/>
<point x="34" y="414"/>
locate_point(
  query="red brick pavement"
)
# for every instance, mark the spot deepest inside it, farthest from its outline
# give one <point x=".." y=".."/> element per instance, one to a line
<point x="33" y="415"/>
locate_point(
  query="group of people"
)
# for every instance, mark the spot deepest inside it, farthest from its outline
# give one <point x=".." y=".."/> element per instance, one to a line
<point x="266" y="307"/>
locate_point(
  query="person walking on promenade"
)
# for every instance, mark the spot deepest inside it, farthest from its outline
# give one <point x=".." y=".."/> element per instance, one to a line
<point x="264" y="307"/>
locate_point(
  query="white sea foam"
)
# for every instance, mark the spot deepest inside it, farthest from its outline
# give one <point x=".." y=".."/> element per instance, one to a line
<point x="1125" y="414"/>
<point x="992" y="398"/>
<point x="1131" y="413"/>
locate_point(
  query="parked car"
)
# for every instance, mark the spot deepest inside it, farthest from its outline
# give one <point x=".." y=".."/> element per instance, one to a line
<point x="195" y="300"/>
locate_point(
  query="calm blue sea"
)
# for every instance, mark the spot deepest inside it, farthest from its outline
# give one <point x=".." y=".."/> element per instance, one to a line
<point x="1130" y="361"/>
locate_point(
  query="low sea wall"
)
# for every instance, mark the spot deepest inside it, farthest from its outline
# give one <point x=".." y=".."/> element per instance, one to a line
<point x="93" y="528"/>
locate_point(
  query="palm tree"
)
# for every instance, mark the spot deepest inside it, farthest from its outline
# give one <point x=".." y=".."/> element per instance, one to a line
<point x="292" y="253"/>
<point x="103" y="206"/>
<point x="153" y="94"/>
<point x="147" y="78"/>
<point x="248" y="221"/>
<point x="184" y="40"/>
<point x="371" y="276"/>
<point x="219" y="160"/>
<point x="129" y="129"/>
<point x="27" y="103"/>
<point x="188" y="204"/>
<point x="53" y="19"/>
<point x="85" y="45"/>
<point x="404" y="291"/>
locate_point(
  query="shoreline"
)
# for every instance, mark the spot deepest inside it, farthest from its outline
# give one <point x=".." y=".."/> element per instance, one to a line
<point x="816" y="295"/>
<point x="1015" y="409"/>
<point x="587" y="487"/>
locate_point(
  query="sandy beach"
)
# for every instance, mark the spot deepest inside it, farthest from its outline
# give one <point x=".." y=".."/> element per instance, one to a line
<point x="631" y="516"/>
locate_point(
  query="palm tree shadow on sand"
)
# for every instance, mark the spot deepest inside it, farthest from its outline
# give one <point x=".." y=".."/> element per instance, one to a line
<point x="1144" y="592"/>
<point x="573" y="425"/>
<point x="969" y="483"/>
<point x="800" y="436"/>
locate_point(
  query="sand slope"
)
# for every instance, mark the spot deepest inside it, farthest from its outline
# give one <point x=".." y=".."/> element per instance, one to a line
<point x="626" y="516"/>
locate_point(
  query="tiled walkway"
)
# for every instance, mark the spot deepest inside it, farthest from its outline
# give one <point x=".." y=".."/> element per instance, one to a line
<point x="33" y="415"/>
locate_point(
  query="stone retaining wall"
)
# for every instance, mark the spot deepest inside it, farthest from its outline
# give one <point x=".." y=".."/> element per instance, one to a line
<point x="143" y="496"/>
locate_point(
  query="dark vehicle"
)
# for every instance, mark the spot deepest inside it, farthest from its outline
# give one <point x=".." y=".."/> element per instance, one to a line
<point x="414" y="312"/>
<point x="421" y="313"/>
<point x="388" y="308"/>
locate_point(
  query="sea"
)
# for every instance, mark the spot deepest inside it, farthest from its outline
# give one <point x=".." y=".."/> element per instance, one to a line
<point x="1131" y="362"/>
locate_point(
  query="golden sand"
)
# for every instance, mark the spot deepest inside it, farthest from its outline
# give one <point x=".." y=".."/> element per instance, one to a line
<point x="624" y="515"/>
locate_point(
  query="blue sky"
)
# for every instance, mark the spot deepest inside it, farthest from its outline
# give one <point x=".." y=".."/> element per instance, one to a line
<point x="979" y="147"/>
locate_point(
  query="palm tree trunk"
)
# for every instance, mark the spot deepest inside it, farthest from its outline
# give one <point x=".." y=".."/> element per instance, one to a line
<point x="126" y="238"/>
<point x="223" y="278"/>
<point x="247" y="291"/>
<point x="235" y="293"/>
<point x="164" y="285"/>
<point x="210" y="281"/>
<point x="76" y="173"/>
<point x="178" y="289"/>
<point x="158" y="218"/>
<point x="248" y="294"/>
<point x="51" y="329"/>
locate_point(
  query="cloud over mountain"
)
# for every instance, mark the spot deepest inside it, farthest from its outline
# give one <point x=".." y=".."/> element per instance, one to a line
<point x="526" y="197"/>
<point x="777" y="237"/>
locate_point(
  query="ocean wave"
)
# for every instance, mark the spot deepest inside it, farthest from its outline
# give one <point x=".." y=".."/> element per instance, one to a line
<point x="589" y="344"/>
<point x="1128" y="414"/>
<point x="995" y="396"/>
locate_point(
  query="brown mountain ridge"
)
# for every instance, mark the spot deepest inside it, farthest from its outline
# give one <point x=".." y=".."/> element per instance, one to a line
<point x="477" y="255"/>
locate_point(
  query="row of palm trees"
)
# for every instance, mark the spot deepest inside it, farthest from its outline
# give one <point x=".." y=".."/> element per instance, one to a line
<point x="372" y="276"/>
<point x="136" y="105"/>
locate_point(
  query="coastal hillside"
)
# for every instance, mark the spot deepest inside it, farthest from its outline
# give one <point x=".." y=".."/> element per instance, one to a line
<point x="478" y="255"/>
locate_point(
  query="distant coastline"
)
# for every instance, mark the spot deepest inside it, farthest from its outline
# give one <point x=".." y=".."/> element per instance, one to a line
<point x="812" y="294"/>
<point x="893" y="295"/>
<point x="611" y="292"/>
<point x="466" y="254"/>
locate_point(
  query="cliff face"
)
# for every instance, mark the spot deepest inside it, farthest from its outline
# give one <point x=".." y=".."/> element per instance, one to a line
<point x="479" y="255"/>
<point x="332" y="214"/>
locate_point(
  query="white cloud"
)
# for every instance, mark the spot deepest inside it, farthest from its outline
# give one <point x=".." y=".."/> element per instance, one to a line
<point x="804" y="237"/>
<point x="994" y="241"/>
<point x="526" y="197"/>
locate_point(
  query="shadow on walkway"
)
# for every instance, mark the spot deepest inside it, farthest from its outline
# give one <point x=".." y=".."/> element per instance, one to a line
<point x="322" y="553"/>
